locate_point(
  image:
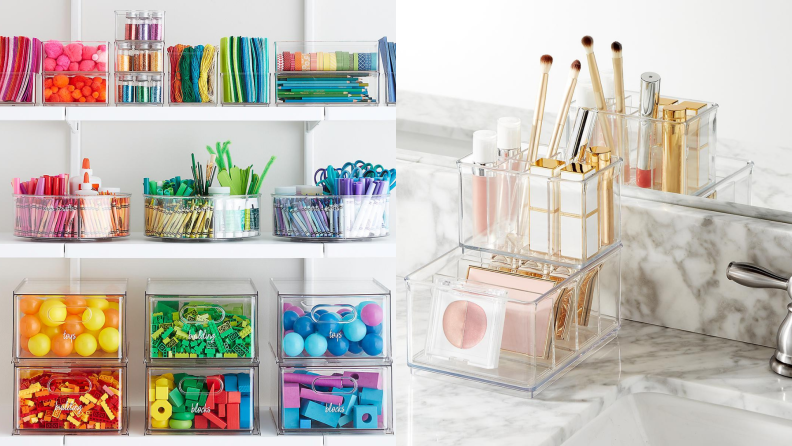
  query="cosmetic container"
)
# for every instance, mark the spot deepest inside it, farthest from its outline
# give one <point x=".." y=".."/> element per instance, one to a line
<point x="79" y="76"/>
<point x="555" y="316"/>
<point x="183" y="63"/>
<point x="332" y="322"/>
<point x="208" y="218"/>
<point x="348" y="400"/>
<point x="70" y="400"/>
<point x="140" y="25"/>
<point x="327" y="73"/>
<point x="71" y="217"/>
<point x="733" y="181"/>
<point x="202" y="400"/>
<point x="579" y="212"/>
<point x="331" y="217"/>
<point x="205" y="322"/>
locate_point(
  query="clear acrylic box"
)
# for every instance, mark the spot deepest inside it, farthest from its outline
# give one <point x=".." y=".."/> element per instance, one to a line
<point x="253" y="89"/>
<point x="71" y="217"/>
<point x="76" y="73"/>
<point x="552" y="211"/>
<point x="348" y="400"/>
<point x="733" y="181"/>
<point x="185" y="319"/>
<point x="70" y="400"/>
<point x="27" y="92"/>
<point x="555" y="316"/>
<point x="140" y="57"/>
<point x="140" y="25"/>
<point x="345" y="322"/>
<point x="331" y="217"/>
<point x="139" y="89"/>
<point x="200" y="91"/>
<point x="202" y="400"/>
<point x="211" y="218"/>
<point x="244" y="81"/>
<point x="327" y="73"/>
<point x="61" y="321"/>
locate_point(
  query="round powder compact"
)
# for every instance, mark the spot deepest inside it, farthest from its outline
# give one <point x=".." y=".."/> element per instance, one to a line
<point x="464" y="324"/>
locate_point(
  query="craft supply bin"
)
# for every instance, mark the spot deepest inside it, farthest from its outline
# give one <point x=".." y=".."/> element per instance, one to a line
<point x="347" y="400"/>
<point x="544" y="335"/>
<point x="31" y="95"/>
<point x="185" y="319"/>
<point x="256" y="97"/>
<point x="70" y="400"/>
<point x="140" y="25"/>
<point x="140" y="72"/>
<point x="74" y="321"/>
<point x="71" y="217"/>
<point x="562" y="220"/>
<point x="209" y="218"/>
<point x="203" y="89"/>
<point x="355" y="63"/>
<point x="139" y="89"/>
<point x="331" y="217"/>
<point x="75" y="73"/>
<point x="349" y="321"/>
<point x="210" y="400"/>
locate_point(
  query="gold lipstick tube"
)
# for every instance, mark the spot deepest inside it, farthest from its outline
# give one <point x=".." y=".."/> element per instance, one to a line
<point x="674" y="149"/>
<point x="600" y="158"/>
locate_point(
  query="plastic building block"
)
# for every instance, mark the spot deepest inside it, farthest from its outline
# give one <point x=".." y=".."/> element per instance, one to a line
<point x="370" y="380"/>
<point x="221" y="410"/>
<point x="243" y="383"/>
<point x="291" y="395"/>
<point x="365" y="417"/>
<point x="245" y="413"/>
<point x="161" y="410"/>
<point x="316" y="412"/>
<point x="234" y="398"/>
<point x="232" y="416"/>
<point x="230" y="383"/>
<point x="308" y="394"/>
<point x="161" y="393"/>
<point x="201" y="422"/>
<point x="214" y="420"/>
<point x="220" y="397"/>
<point x="176" y="398"/>
<point x="350" y="399"/>
<point x="305" y="423"/>
<point x="291" y="418"/>
<point x="372" y="397"/>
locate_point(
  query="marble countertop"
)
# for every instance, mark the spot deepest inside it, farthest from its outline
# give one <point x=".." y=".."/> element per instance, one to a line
<point x="433" y="409"/>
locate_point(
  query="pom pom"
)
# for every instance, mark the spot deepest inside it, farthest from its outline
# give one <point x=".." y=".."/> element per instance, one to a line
<point x="87" y="65"/>
<point x="74" y="66"/>
<point x="49" y="64"/>
<point x="63" y="61"/>
<point x="73" y="51"/>
<point x="101" y="66"/>
<point x="101" y="56"/>
<point x="61" y="80"/>
<point x="88" y="52"/>
<point x="53" y="49"/>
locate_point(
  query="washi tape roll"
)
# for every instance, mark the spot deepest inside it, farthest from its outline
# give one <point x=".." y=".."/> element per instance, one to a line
<point x="356" y="62"/>
<point x="298" y="59"/>
<point x="326" y="61"/>
<point x="333" y="61"/>
<point x="364" y="62"/>
<point x="279" y="63"/>
<point x="320" y="61"/>
<point x="314" y="62"/>
<point x="292" y="64"/>
<point x="374" y="61"/>
<point x="306" y="61"/>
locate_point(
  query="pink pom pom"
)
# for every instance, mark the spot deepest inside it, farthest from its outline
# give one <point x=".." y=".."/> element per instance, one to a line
<point x="49" y="64"/>
<point x="63" y="61"/>
<point x="59" y="68"/>
<point x="101" y="66"/>
<point x="74" y="66"/>
<point x="53" y="49"/>
<point x="87" y="65"/>
<point x="102" y="47"/>
<point x="73" y="51"/>
<point x="88" y="52"/>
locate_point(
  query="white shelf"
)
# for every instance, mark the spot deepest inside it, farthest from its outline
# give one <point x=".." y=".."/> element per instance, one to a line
<point x="187" y="113"/>
<point x="373" y="113"/>
<point x="15" y="247"/>
<point x="374" y="248"/>
<point x="31" y="113"/>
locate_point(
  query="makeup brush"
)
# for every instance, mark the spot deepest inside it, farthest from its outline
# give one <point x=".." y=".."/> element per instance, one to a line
<point x="555" y="140"/>
<point x="618" y="86"/>
<point x="596" y="83"/>
<point x="545" y="62"/>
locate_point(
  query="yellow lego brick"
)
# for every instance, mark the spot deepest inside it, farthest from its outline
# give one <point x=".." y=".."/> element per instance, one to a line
<point x="245" y="332"/>
<point x="230" y="355"/>
<point x="182" y="355"/>
<point x="157" y="333"/>
<point x="175" y="316"/>
<point x="193" y="355"/>
<point x="108" y="411"/>
<point x="25" y="394"/>
<point x="104" y="397"/>
<point x="35" y="387"/>
<point x="73" y="421"/>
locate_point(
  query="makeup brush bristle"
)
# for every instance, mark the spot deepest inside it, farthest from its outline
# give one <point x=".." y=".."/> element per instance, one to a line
<point x="546" y="62"/>
<point x="616" y="47"/>
<point x="575" y="69"/>
<point x="588" y="44"/>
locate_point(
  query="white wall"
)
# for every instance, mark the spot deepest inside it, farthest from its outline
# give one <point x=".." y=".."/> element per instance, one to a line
<point x="123" y="153"/>
<point x="734" y="53"/>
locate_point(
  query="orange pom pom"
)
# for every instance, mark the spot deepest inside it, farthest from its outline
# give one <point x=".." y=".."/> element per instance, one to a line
<point x="86" y="91"/>
<point x="90" y="99"/>
<point x="54" y="98"/>
<point x="61" y="80"/>
<point x="76" y="94"/>
<point x="55" y="89"/>
<point x="95" y="94"/>
<point x="82" y="99"/>
<point x="96" y="86"/>
<point x="97" y="79"/>
<point x="79" y="85"/>
<point x="65" y="95"/>
<point x="102" y="96"/>
<point x="48" y="82"/>
<point x="70" y="88"/>
<point x="47" y="94"/>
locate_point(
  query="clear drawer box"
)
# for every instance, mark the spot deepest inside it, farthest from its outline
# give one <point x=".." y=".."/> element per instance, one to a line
<point x="61" y="321"/>
<point x="75" y="73"/>
<point x="140" y="25"/>
<point x="202" y="218"/>
<point x="70" y="400"/>
<point x="345" y="400"/>
<point x="188" y="87"/>
<point x="244" y="71"/>
<point x="514" y="323"/>
<point x="71" y="217"/>
<point x="213" y="400"/>
<point x="327" y="322"/>
<point x="331" y="217"/>
<point x="327" y="73"/>
<point x="211" y="321"/>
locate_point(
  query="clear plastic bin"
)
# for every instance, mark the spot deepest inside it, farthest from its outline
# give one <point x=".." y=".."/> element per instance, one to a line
<point x="245" y="89"/>
<point x="331" y="217"/>
<point x="347" y="400"/>
<point x="71" y="217"/>
<point x="139" y="89"/>
<point x="140" y="57"/>
<point x="323" y="322"/>
<point x="211" y="400"/>
<point x="70" y="400"/>
<point x="551" y="318"/>
<point x="206" y="321"/>
<point x="70" y="88"/>
<point x="60" y="320"/>
<point x="244" y="71"/>
<point x="201" y="90"/>
<point x="140" y="25"/>
<point x="202" y="218"/>
<point x="24" y="91"/>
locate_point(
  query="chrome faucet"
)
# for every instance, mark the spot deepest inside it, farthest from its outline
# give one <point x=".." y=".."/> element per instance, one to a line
<point x="757" y="277"/>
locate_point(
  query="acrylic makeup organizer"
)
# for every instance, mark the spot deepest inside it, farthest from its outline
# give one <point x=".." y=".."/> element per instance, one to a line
<point x="71" y="217"/>
<point x="87" y="85"/>
<point x="356" y="61"/>
<point x="210" y="218"/>
<point x="345" y="386"/>
<point x="331" y="217"/>
<point x="140" y="58"/>
<point x="201" y="357"/>
<point x="68" y="376"/>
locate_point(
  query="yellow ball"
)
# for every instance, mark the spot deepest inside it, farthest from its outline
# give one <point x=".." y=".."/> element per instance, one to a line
<point x="39" y="345"/>
<point x="85" y="344"/>
<point x="53" y="312"/>
<point x="109" y="340"/>
<point x="93" y="318"/>
<point x="51" y="332"/>
<point x="100" y="303"/>
<point x="114" y="305"/>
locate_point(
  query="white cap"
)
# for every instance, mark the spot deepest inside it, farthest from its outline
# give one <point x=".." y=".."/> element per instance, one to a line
<point x="608" y="89"/>
<point x="509" y="133"/>
<point x="584" y="95"/>
<point x="286" y="190"/>
<point x="485" y="149"/>
<point x="219" y="190"/>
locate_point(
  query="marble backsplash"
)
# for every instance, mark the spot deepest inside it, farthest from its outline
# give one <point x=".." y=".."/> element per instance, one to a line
<point x="673" y="263"/>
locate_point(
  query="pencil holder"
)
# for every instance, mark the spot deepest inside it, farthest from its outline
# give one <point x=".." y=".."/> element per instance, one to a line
<point x="202" y="400"/>
<point x="507" y="321"/>
<point x="70" y="400"/>
<point x="551" y="211"/>
<point x="327" y="73"/>
<point x="185" y="87"/>
<point x="211" y="218"/>
<point x="331" y="217"/>
<point x="349" y="400"/>
<point x="71" y="217"/>
<point x="244" y="71"/>
<point x="61" y="321"/>
<point x="211" y="321"/>
<point x="140" y="25"/>
<point x="326" y="322"/>
<point x="20" y="68"/>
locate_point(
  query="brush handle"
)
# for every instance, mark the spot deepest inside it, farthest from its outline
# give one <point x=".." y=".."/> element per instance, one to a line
<point x="558" y="129"/>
